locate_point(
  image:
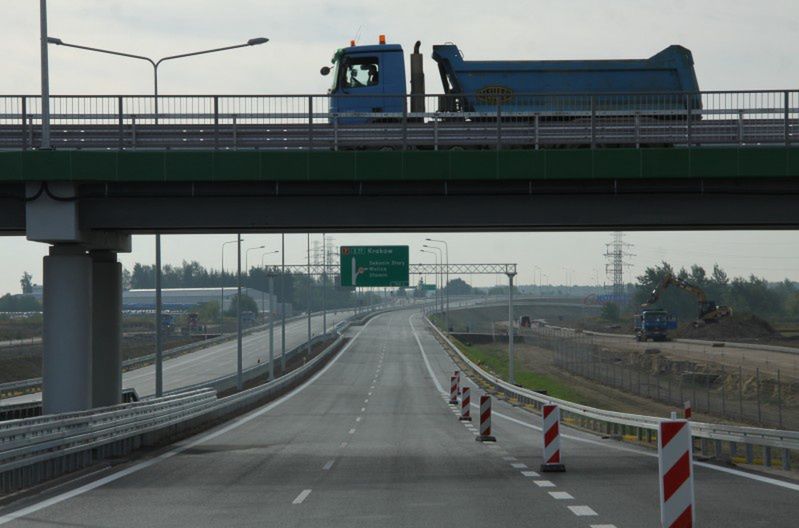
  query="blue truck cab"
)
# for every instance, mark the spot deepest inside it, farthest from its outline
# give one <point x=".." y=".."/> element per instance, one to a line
<point x="368" y="79"/>
<point x="654" y="325"/>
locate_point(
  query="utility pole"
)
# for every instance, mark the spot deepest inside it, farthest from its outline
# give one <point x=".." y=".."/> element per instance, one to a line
<point x="308" y="245"/>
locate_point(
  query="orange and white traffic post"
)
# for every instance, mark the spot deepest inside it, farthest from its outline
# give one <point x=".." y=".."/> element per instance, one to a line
<point x="675" y="469"/>
<point x="485" y="420"/>
<point x="466" y="401"/>
<point x="687" y="412"/>
<point x="551" y="430"/>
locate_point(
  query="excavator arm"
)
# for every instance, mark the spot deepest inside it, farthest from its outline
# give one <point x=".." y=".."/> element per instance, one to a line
<point x="708" y="311"/>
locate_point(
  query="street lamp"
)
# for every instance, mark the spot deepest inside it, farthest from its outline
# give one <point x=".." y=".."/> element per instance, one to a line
<point x="271" y="277"/>
<point x="446" y="287"/>
<point x="436" y="274"/>
<point x="155" y="63"/>
<point x="247" y="257"/>
<point x="440" y="269"/>
<point x="46" y="136"/>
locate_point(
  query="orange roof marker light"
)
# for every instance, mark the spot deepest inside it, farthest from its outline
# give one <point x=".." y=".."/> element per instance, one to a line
<point x="352" y="43"/>
<point x="382" y="39"/>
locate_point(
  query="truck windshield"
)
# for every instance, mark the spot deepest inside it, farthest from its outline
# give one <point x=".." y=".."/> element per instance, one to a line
<point x="358" y="72"/>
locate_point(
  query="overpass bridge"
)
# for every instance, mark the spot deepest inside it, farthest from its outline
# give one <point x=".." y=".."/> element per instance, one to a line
<point x="206" y="164"/>
<point x="209" y="164"/>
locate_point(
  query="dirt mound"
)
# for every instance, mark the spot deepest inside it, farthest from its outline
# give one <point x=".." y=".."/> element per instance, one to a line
<point x="744" y="326"/>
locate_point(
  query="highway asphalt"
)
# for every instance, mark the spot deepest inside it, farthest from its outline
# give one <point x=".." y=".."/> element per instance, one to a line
<point x="217" y="360"/>
<point x="371" y="441"/>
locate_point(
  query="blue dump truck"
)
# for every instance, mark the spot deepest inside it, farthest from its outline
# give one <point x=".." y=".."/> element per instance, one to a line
<point x="371" y="79"/>
<point x="654" y="325"/>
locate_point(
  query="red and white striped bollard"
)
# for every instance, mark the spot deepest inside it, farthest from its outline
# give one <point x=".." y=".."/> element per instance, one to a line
<point x="453" y="390"/>
<point x="551" y="435"/>
<point x="485" y="420"/>
<point x="675" y="469"/>
<point x="458" y="380"/>
<point x="466" y="401"/>
<point x="687" y="412"/>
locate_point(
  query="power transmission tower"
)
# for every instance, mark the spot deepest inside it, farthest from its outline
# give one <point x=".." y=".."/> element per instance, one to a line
<point x="616" y="253"/>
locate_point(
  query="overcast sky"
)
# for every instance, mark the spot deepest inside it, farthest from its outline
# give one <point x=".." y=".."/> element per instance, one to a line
<point x="737" y="45"/>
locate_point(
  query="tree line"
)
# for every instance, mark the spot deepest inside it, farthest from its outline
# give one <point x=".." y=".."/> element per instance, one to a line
<point x="745" y="295"/>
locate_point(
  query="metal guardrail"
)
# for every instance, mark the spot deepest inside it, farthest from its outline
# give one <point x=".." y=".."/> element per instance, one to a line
<point x="36" y="449"/>
<point x="749" y="436"/>
<point x="307" y="122"/>
<point x="35" y="384"/>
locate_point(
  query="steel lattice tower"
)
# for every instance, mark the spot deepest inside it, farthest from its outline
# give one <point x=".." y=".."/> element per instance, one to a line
<point x="616" y="253"/>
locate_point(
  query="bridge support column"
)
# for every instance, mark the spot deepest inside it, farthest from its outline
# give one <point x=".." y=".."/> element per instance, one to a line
<point x="67" y="333"/>
<point x="106" y="329"/>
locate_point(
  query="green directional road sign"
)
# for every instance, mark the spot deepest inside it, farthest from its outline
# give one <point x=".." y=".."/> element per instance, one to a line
<point x="428" y="287"/>
<point x="374" y="266"/>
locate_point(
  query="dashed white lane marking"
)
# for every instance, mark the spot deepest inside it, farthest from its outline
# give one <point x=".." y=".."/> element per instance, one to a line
<point x="509" y="458"/>
<point x="352" y="431"/>
<point x="302" y="496"/>
<point x="366" y="400"/>
<point x="544" y="483"/>
<point x="369" y="394"/>
<point x="530" y="474"/>
<point x="518" y="465"/>
<point x="363" y="409"/>
<point x="358" y="419"/>
<point x="582" y="511"/>
<point x="561" y="495"/>
<point x="33" y="508"/>
<point x="329" y="465"/>
<point x="343" y="444"/>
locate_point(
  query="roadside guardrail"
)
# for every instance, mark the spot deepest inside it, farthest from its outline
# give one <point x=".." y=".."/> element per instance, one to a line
<point x="618" y="423"/>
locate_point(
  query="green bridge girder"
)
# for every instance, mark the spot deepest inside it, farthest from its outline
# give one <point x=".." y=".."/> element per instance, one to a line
<point x="451" y="165"/>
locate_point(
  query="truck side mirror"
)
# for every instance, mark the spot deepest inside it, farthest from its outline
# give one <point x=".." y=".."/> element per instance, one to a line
<point x="325" y="70"/>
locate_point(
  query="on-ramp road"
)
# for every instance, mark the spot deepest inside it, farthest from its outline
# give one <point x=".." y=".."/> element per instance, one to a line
<point x="371" y="441"/>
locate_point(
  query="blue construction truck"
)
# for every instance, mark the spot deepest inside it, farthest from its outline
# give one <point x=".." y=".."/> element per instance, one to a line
<point x="371" y="79"/>
<point x="654" y="325"/>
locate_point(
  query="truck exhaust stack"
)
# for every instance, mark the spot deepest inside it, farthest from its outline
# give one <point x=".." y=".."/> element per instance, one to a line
<point x="417" y="79"/>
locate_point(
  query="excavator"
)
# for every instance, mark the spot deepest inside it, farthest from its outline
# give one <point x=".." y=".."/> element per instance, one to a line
<point x="709" y="311"/>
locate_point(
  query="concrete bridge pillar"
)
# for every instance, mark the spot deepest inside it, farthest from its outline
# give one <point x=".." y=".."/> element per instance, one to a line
<point x="106" y="329"/>
<point x="67" y="333"/>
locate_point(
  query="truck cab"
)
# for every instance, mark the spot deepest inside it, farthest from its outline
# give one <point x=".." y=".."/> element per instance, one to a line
<point x="368" y="79"/>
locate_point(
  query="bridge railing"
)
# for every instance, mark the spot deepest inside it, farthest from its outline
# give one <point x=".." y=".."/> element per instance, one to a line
<point x="486" y="120"/>
<point x="617" y="423"/>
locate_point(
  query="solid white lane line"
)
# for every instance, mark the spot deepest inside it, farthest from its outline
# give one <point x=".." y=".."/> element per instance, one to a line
<point x="544" y="483"/>
<point x="530" y="474"/>
<point x="561" y="495"/>
<point x="329" y="465"/>
<point x="582" y="511"/>
<point x="301" y="497"/>
<point x="33" y="508"/>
